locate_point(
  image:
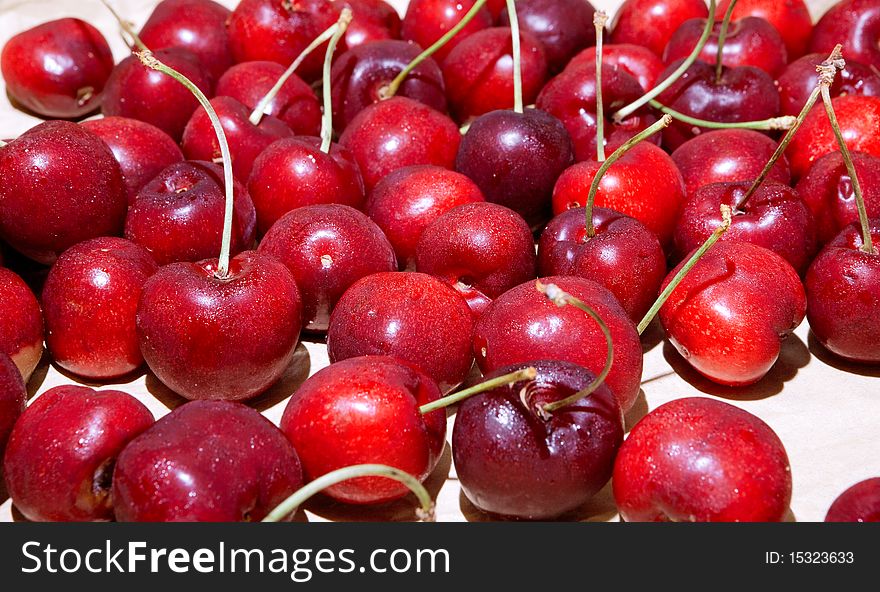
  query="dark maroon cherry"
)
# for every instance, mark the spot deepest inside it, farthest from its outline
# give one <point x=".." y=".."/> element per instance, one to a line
<point x="799" y="79"/>
<point x="428" y="20"/>
<point x="859" y="503"/>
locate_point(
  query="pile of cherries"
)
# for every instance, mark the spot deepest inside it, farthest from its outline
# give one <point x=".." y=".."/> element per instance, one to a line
<point x="327" y="170"/>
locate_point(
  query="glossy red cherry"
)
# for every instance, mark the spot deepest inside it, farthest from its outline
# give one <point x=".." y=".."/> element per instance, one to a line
<point x="360" y="76"/>
<point x="279" y="30"/>
<point x="702" y="460"/>
<point x="178" y="216"/>
<point x="728" y="156"/>
<point x="295" y="104"/>
<point x="374" y="20"/>
<point x="843" y="289"/>
<point x="636" y="60"/>
<point x="729" y="315"/>
<point x="61" y="186"/>
<point x="652" y="22"/>
<point x="791" y="18"/>
<point x="207" y="461"/>
<point x="57" y="69"/>
<point x="405" y="202"/>
<point x="142" y="150"/>
<point x="138" y="92"/>
<point x="327" y="248"/>
<point x="523" y="324"/>
<point x="366" y="410"/>
<point x="859" y="503"/>
<point x="799" y="79"/>
<point x="61" y="454"/>
<point x="196" y="25"/>
<point x="855" y="24"/>
<point x="512" y="462"/>
<point x="624" y="256"/>
<point x="90" y="300"/>
<point x="13" y="399"/>
<point x="411" y="316"/>
<point x="397" y="133"/>
<point x="21" y="323"/>
<point x="227" y="338"/>
<point x="426" y="21"/>
<point x="479" y="72"/>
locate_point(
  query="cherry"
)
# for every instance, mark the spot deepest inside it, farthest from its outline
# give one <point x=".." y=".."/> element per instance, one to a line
<point x="374" y="20"/>
<point x="208" y="461"/>
<point x="90" y="300"/>
<point x="21" y="324"/>
<point x="178" y="216"/>
<point x="522" y="325"/>
<point x="799" y="79"/>
<point x="856" y="24"/>
<point x="749" y="41"/>
<point x="791" y="18"/>
<point x="327" y="248"/>
<point x="361" y="76"/>
<point x="279" y="30"/>
<point x="859" y="503"/>
<point x="411" y="316"/>
<point x="513" y="462"/>
<point x="366" y="410"/>
<point x="727" y="156"/>
<point x="13" y="400"/>
<point x="652" y="22"/>
<point x="57" y="69"/>
<point x="137" y="92"/>
<point x="405" y="202"/>
<point x="479" y="72"/>
<point x="295" y="103"/>
<point x="701" y="460"/>
<point x="61" y="168"/>
<point x="397" y="133"/>
<point x="426" y="21"/>
<point x="141" y="149"/>
<point x="196" y="25"/>
<point x="638" y="61"/>
<point x="729" y="314"/>
<point x="60" y="457"/>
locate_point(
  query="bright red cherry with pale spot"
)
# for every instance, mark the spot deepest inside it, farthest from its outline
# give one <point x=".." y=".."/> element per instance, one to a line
<point x="21" y="323"/>
<point x="859" y="503"/>
<point x="791" y="18"/>
<point x="426" y="21"/>
<point x="13" y="400"/>
<point x="798" y="81"/>
<point x="636" y="60"/>
<point x="652" y="22"/>
<point x="366" y="410"/>
<point x="855" y="24"/>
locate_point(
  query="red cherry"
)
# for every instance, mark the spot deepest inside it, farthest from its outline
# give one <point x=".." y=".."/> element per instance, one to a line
<point x="57" y="69"/>
<point x="397" y="133"/>
<point x="61" y="454"/>
<point x="13" y="400"/>
<point x="142" y="150"/>
<point x="366" y="410"/>
<point x="511" y="462"/>
<point x="523" y="324"/>
<point x="21" y="324"/>
<point x="798" y="81"/>
<point x="855" y="24"/>
<point x="639" y="62"/>
<point x="327" y="248"/>
<point x="61" y="186"/>
<point x="652" y="22"/>
<point x="411" y="316"/>
<point x="90" y="300"/>
<point x="479" y="72"/>
<point x="859" y="503"/>
<point x="208" y="461"/>
<point x="405" y="202"/>
<point x="843" y="288"/>
<point x="196" y="25"/>
<point x="426" y="21"/>
<point x="178" y="216"/>
<point x="791" y="18"/>
<point x="728" y="316"/>
<point x="227" y="338"/>
<point x="374" y="20"/>
<point x="702" y="460"/>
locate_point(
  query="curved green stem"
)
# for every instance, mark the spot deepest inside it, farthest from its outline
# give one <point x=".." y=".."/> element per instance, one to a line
<point x="300" y="496"/>
<point x="774" y="123"/>
<point x="126" y="27"/>
<point x="599" y="20"/>
<point x="327" y="119"/>
<point x="517" y="57"/>
<point x="488" y="385"/>
<point x="722" y="37"/>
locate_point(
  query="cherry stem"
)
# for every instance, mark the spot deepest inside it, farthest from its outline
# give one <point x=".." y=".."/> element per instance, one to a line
<point x="722" y="37"/>
<point x="517" y="57"/>
<point x="327" y="119"/>
<point x="493" y="383"/>
<point x="678" y="73"/>
<point x="615" y="156"/>
<point x="289" y="506"/>
<point x="599" y="20"/>
<point x="726" y="219"/>
<point x="263" y="105"/>
<point x="127" y="28"/>
<point x="562" y="298"/>
<point x="827" y="70"/>
<point x="149" y="60"/>
<point x="394" y="86"/>
<point x="774" y="123"/>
